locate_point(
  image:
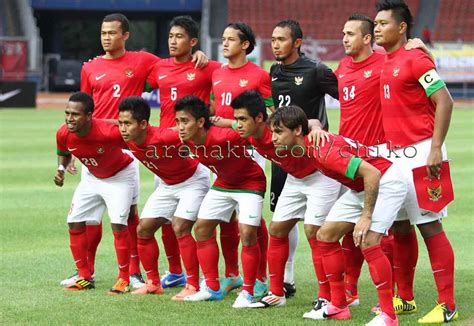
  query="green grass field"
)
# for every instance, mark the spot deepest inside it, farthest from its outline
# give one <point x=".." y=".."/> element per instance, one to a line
<point x="35" y="252"/>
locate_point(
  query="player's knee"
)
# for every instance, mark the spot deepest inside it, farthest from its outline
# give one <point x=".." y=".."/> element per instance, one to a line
<point x="203" y="232"/>
<point x="248" y="236"/>
<point x="310" y="231"/>
<point x="430" y="229"/>
<point x="144" y="231"/>
<point x="181" y="228"/>
<point x="278" y="230"/>
<point x="402" y="227"/>
<point x="327" y="235"/>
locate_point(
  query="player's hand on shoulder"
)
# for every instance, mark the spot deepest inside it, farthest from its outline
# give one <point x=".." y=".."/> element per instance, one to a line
<point x="318" y="137"/>
<point x="71" y="168"/>
<point x="200" y="59"/>
<point x="416" y="43"/>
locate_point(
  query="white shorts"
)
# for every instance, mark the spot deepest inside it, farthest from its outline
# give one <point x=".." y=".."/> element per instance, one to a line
<point x="182" y="200"/>
<point x="219" y="205"/>
<point x="392" y="194"/>
<point x="136" y="164"/>
<point x="93" y="195"/>
<point x="406" y="161"/>
<point x="310" y="198"/>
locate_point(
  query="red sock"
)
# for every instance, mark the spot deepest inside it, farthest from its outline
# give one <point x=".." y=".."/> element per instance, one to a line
<point x="122" y="249"/>
<point x="78" y="244"/>
<point x="149" y="252"/>
<point x="262" y="238"/>
<point x="278" y="252"/>
<point x="250" y="256"/>
<point x="387" y="247"/>
<point x="324" y="288"/>
<point x="381" y="273"/>
<point x="230" y="239"/>
<point x="405" y="256"/>
<point x="134" y="261"/>
<point x="171" y="248"/>
<point x="208" y="255"/>
<point x="94" y="235"/>
<point x="188" y="249"/>
<point x="442" y="264"/>
<point x="354" y="260"/>
<point x="333" y="262"/>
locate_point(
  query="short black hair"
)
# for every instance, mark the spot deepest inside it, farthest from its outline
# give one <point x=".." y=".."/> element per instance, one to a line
<point x="196" y="107"/>
<point x="400" y="11"/>
<point x="245" y="34"/>
<point x="85" y="99"/>
<point x="291" y="116"/>
<point x="139" y="108"/>
<point x="294" y="27"/>
<point x="253" y="102"/>
<point x="367" y="26"/>
<point x="188" y="24"/>
<point x="118" y="17"/>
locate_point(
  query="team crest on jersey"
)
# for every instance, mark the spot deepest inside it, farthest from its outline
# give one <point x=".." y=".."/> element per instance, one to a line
<point x="100" y="150"/>
<point x="435" y="193"/>
<point x="367" y="73"/>
<point x="299" y="80"/>
<point x="243" y="82"/>
<point x="191" y="76"/>
<point x="129" y="72"/>
<point x="396" y="71"/>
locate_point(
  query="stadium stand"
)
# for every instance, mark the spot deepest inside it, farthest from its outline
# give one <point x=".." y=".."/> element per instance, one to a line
<point x="319" y="19"/>
<point x="455" y="21"/>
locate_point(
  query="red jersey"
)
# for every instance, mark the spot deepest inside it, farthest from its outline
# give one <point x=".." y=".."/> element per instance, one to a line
<point x="100" y="150"/>
<point x="407" y="81"/>
<point x="109" y="81"/>
<point x="340" y="158"/>
<point x="225" y="154"/>
<point x="228" y="83"/>
<point x="176" y="80"/>
<point x="361" y="112"/>
<point x="297" y="167"/>
<point x="163" y="154"/>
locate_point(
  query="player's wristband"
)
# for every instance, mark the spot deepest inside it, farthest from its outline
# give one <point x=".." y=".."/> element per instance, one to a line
<point x="61" y="168"/>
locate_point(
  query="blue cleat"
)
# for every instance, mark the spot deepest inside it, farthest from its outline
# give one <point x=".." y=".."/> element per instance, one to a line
<point x="170" y="280"/>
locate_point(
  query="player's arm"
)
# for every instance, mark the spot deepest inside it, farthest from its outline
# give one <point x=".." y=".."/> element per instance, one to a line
<point x="327" y="81"/>
<point x="63" y="161"/>
<point x="200" y="59"/>
<point x="223" y="123"/>
<point x="417" y="43"/>
<point x="371" y="178"/>
<point x="444" y="108"/>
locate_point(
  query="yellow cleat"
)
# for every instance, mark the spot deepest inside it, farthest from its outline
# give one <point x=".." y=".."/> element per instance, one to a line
<point x="404" y="307"/>
<point x="439" y="314"/>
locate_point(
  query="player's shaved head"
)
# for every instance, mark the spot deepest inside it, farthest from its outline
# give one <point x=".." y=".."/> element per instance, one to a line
<point x="400" y="11"/>
<point x="367" y="25"/>
<point x="295" y="29"/>
<point x="118" y="17"/>
<point x="188" y="24"/>
<point x="291" y="116"/>
<point x="85" y="99"/>
<point x="194" y="106"/>
<point x="245" y="33"/>
<point x="137" y="106"/>
<point x="253" y="102"/>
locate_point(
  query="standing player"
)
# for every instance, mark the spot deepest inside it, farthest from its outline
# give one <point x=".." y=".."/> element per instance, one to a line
<point x="238" y="76"/>
<point x="416" y="111"/>
<point x="109" y="182"/>
<point x="181" y="178"/>
<point x="224" y="152"/>
<point x="177" y="77"/>
<point x="377" y="191"/>
<point x="301" y="81"/>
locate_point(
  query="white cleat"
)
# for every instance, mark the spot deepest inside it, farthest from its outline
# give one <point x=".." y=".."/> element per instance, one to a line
<point x="244" y="300"/>
<point x="269" y="301"/>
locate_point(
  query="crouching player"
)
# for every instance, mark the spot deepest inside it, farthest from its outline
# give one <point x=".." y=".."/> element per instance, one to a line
<point x="377" y="191"/>
<point x="183" y="184"/>
<point x="109" y="182"/>
<point x="240" y="183"/>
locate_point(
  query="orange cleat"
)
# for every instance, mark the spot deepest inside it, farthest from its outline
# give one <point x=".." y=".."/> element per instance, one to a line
<point x="149" y="288"/>
<point x="120" y="287"/>
<point x="188" y="290"/>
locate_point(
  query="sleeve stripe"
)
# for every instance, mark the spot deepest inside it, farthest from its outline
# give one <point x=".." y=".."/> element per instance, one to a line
<point x="269" y="101"/>
<point x="351" y="169"/>
<point x="212" y="96"/>
<point x="234" y="125"/>
<point x="434" y="87"/>
<point x="60" y="153"/>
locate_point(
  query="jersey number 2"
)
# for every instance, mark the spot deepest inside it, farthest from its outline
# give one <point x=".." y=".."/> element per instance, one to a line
<point x="116" y="88"/>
